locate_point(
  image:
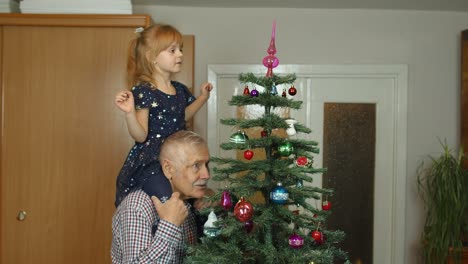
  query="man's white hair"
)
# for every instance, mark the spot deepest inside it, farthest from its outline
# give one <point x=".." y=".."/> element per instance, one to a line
<point x="174" y="146"/>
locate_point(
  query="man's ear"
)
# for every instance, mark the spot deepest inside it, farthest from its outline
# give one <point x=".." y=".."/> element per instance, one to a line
<point x="167" y="169"/>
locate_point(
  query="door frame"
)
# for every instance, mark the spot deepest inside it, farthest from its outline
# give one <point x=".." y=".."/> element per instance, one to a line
<point x="398" y="73"/>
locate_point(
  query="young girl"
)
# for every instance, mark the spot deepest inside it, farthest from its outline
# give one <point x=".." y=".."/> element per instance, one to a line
<point x="156" y="107"/>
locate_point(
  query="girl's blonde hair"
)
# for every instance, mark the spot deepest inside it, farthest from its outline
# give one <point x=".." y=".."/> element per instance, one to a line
<point x="153" y="39"/>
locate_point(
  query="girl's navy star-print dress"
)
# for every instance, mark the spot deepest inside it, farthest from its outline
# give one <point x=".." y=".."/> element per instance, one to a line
<point x="166" y="116"/>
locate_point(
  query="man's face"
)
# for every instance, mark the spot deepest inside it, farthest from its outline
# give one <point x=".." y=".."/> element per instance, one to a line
<point x="191" y="178"/>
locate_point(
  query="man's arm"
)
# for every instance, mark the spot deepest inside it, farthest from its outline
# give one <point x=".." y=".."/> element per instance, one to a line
<point x="140" y="246"/>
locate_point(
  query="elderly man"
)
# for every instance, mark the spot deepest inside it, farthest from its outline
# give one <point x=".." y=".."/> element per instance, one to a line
<point x="146" y="230"/>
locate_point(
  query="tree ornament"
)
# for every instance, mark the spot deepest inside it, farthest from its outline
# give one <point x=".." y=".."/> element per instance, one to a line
<point x="243" y="210"/>
<point x="279" y="194"/>
<point x="326" y="205"/>
<point x="248" y="154"/>
<point x="246" y="90"/>
<point x="299" y="183"/>
<point x="319" y="240"/>
<point x="303" y="162"/>
<point x="283" y="94"/>
<point x="292" y="91"/>
<point x="263" y="133"/>
<point x="226" y="201"/>
<point x="285" y="149"/>
<point x="209" y="228"/>
<point x="317" y="236"/>
<point x="238" y="137"/>
<point x="291" y="130"/>
<point x="296" y="241"/>
<point x="248" y="226"/>
<point x="254" y="93"/>
<point x="273" y="90"/>
<point x="270" y="61"/>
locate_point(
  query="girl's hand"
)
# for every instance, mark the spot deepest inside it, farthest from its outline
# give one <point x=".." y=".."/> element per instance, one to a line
<point x="205" y="89"/>
<point x="124" y="100"/>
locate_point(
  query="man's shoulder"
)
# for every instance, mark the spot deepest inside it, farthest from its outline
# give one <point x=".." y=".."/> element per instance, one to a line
<point x="138" y="201"/>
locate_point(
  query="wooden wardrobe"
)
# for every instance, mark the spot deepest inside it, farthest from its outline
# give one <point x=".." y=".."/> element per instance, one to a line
<point x="63" y="141"/>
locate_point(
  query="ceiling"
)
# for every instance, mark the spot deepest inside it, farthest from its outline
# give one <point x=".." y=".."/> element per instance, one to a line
<point x="434" y="5"/>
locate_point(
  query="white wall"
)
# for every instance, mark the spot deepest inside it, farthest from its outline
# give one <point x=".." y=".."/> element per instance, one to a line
<point x="429" y="42"/>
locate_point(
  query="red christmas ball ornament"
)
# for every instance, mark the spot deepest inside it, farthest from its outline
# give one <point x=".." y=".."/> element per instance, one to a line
<point x="303" y="161"/>
<point x="263" y="133"/>
<point x="243" y="210"/>
<point x="248" y="154"/>
<point x="246" y="90"/>
<point x="326" y="205"/>
<point x="317" y="236"/>
<point x="292" y="90"/>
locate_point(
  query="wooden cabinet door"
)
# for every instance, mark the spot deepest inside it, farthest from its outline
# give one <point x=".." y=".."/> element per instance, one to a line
<point x="63" y="140"/>
<point x="186" y="74"/>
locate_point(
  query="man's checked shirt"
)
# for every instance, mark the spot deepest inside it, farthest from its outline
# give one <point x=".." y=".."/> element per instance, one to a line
<point x="140" y="236"/>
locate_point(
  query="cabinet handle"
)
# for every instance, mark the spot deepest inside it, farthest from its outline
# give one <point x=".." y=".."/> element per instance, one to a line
<point x="21" y="215"/>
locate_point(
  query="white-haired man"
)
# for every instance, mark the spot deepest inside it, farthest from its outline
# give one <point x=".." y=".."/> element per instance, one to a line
<point x="146" y="230"/>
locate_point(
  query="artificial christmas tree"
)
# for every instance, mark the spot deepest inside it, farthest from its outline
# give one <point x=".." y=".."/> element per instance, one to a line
<point x="269" y="231"/>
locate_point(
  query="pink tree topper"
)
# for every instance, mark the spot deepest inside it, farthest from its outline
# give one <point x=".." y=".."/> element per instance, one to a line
<point x="270" y="61"/>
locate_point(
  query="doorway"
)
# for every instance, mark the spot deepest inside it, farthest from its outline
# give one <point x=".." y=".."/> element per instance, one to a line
<point x="384" y="87"/>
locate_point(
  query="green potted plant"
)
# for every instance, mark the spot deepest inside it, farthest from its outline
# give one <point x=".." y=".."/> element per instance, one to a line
<point x="443" y="186"/>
